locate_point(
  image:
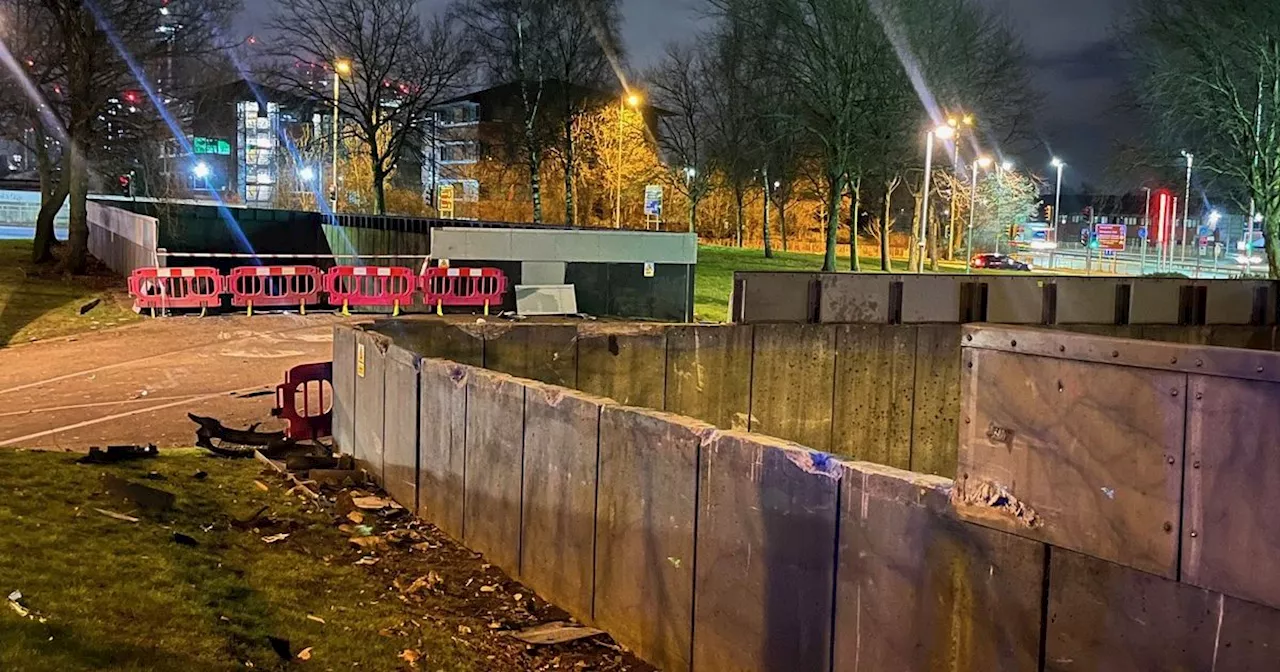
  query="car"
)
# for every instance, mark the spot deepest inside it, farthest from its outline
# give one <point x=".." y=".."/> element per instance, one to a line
<point x="998" y="262"/>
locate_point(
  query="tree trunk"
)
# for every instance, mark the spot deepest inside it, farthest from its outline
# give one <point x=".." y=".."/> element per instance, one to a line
<point x="738" y="198"/>
<point x="782" y="221"/>
<point x="53" y="193"/>
<point x="570" y="213"/>
<point x="1270" y="231"/>
<point x="379" y="184"/>
<point x="913" y="249"/>
<point x="934" y="225"/>
<point x="855" y="207"/>
<point x="768" y="248"/>
<point x="886" y="226"/>
<point x="535" y="172"/>
<point x="78" y="236"/>
<point x="833" y="222"/>
<point x="693" y="215"/>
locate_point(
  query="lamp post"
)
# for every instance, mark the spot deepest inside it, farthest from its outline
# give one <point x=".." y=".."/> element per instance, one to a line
<point x="983" y="161"/>
<point x="1005" y="166"/>
<point x="341" y="67"/>
<point x="1186" y="203"/>
<point x="1057" y="202"/>
<point x="945" y="132"/>
<point x="634" y="101"/>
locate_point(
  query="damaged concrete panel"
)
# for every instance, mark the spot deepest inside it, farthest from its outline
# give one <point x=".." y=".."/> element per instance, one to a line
<point x="765" y="555"/>
<point x="709" y="373"/>
<point x="854" y="298"/>
<point x="1106" y="617"/>
<point x="436" y="338"/>
<point x="1051" y="450"/>
<point x="626" y="363"/>
<point x="561" y="444"/>
<point x="400" y="463"/>
<point x="494" y="460"/>
<point x="542" y="352"/>
<point x="875" y="391"/>
<point x="935" y="420"/>
<point x="344" y="388"/>
<point x="792" y="382"/>
<point x="371" y="353"/>
<point x="918" y="590"/>
<point x="442" y="444"/>
<point x="1229" y="524"/>
<point x="648" y="485"/>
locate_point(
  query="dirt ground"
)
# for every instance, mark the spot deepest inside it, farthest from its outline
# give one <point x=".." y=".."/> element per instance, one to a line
<point x="136" y="384"/>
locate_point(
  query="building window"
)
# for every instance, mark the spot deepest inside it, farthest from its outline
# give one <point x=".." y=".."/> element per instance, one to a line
<point x="463" y="151"/>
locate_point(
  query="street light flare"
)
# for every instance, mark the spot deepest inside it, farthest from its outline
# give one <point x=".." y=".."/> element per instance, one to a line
<point x="342" y="67"/>
<point x="633" y="100"/>
<point x="984" y="161"/>
<point x="944" y="132"/>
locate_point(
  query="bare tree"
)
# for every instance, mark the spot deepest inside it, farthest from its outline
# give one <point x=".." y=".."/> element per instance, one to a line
<point x="398" y="69"/>
<point x="1209" y="73"/>
<point x="733" y="148"/>
<point x="677" y="84"/>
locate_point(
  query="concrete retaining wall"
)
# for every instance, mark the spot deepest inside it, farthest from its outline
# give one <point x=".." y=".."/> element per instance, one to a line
<point x="888" y="394"/>
<point x="708" y="550"/>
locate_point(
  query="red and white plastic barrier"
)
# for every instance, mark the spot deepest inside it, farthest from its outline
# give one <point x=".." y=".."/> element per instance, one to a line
<point x="346" y="286"/>
<point x="463" y="287"/>
<point x="251" y="286"/>
<point x="165" y="288"/>
<point x="370" y="286"/>
<point x="313" y="417"/>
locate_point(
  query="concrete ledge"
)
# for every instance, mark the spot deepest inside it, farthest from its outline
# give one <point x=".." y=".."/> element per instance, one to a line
<point x="494" y="462"/>
<point x="765" y="555"/>
<point x="626" y="363"/>
<point x="561" y="449"/>
<point x="792" y="382"/>
<point x="709" y="374"/>
<point x="544" y="352"/>
<point x="645" y="532"/>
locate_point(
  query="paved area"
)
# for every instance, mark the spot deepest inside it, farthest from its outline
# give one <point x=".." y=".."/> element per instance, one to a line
<point x="136" y="384"/>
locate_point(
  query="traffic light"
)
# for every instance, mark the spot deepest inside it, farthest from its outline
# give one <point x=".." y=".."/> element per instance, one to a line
<point x="126" y="184"/>
<point x="1084" y="237"/>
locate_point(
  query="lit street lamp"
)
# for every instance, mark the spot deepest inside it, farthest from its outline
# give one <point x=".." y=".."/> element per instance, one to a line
<point x="945" y="132"/>
<point x="307" y="174"/>
<point x="984" y="162"/>
<point x="634" y="101"/>
<point x="1186" y="204"/>
<point x="1147" y="225"/>
<point x="958" y="124"/>
<point x="201" y="171"/>
<point x="341" y="68"/>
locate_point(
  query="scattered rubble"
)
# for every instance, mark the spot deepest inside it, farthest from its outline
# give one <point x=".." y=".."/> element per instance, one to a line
<point x="116" y="454"/>
<point x="556" y="632"/>
<point x="144" y="497"/>
<point x="117" y="516"/>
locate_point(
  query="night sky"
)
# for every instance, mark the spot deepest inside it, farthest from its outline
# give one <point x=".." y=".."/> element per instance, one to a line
<point x="1076" y="63"/>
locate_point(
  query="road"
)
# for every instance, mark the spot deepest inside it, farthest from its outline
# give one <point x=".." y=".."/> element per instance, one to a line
<point x="137" y="383"/>
<point x="10" y="232"/>
<point x="1131" y="263"/>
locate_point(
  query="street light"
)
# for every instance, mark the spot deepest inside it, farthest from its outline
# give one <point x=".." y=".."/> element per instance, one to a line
<point x="1147" y="226"/>
<point x="944" y="132"/>
<point x="634" y="101"/>
<point x="957" y="124"/>
<point x="1186" y="203"/>
<point x="307" y="174"/>
<point x="983" y="162"/>
<point x="1057" y="202"/>
<point x="341" y="68"/>
<point x="201" y="171"/>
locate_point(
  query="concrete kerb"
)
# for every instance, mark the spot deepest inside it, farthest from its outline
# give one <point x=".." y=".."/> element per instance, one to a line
<point x="370" y="411"/>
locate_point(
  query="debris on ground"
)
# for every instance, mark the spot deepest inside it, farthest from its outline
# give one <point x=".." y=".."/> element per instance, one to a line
<point x="116" y="454"/>
<point x="89" y="306"/>
<point x="281" y="647"/>
<point x="276" y="538"/>
<point x="185" y="539"/>
<point x="254" y="393"/>
<point x="142" y="496"/>
<point x="200" y="475"/>
<point x="238" y="443"/>
<point x="117" y="516"/>
<point x="556" y="632"/>
<point x="305" y="654"/>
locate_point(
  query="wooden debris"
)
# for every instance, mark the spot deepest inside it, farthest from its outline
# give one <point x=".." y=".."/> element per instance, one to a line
<point x="117" y="516"/>
<point x="556" y="632"/>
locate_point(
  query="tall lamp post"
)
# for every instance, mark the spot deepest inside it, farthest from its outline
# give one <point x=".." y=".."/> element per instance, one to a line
<point x="1186" y="204"/>
<point x="944" y="132"/>
<point x="984" y="162"/>
<point x="1005" y="166"/>
<point x="634" y="101"/>
<point x="341" y="68"/>
<point x="1146" y="223"/>
<point x="1057" y="202"/>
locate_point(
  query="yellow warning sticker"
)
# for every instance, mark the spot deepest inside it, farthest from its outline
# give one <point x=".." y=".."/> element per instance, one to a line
<point x="360" y="359"/>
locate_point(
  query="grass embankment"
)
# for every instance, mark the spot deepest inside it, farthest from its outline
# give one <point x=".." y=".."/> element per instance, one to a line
<point x="124" y="596"/>
<point x="39" y="302"/>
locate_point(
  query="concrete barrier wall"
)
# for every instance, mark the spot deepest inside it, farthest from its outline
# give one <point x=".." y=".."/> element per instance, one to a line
<point x="770" y="297"/>
<point x="706" y="550"/>
<point x="369" y="413"/>
<point x="344" y="388"/>
<point x="888" y="394"/>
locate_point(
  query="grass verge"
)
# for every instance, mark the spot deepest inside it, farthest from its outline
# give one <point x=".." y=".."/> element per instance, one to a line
<point x="106" y="594"/>
<point x="37" y="302"/>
